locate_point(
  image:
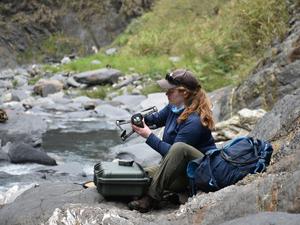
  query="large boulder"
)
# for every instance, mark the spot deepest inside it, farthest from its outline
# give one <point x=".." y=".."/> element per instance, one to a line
<point x="25" y="153"/>
<point x="36" y="205"/>
<point x="98" y="77"/>
<point x="274" y="218"/>
<point x="284" y="117"/>
<point x="46" y="87"/>
<point x="22" y="127"/>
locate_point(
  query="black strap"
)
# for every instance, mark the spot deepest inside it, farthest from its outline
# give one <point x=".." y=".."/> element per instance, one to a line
<point x="213" y="182"/>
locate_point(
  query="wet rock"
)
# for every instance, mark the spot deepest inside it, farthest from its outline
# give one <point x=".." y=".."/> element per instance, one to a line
<point x="46" y="87"/>
<point x="36" y="205"/>
<point x="25" y="153"/>
<point x="98" y="77"/>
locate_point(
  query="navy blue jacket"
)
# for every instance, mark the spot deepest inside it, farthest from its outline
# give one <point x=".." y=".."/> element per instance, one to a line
<point x="191" y="131"/>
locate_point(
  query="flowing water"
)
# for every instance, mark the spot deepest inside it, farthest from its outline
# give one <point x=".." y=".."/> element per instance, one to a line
<point x="76" y="151"/>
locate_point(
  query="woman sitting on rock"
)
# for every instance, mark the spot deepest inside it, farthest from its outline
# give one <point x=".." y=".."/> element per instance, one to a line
<point x="188" y="123"/>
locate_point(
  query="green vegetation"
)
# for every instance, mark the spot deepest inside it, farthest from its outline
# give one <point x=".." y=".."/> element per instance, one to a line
<point x="97" y="92"/>
<point x="220" y="40"/>
<point x="33" y="80"/>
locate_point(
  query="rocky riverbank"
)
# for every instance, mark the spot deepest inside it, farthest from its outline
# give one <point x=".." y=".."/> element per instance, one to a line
<point x="266" y="104"/>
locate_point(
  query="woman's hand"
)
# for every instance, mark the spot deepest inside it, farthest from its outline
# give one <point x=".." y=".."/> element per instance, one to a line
<point x="143" y="131"/>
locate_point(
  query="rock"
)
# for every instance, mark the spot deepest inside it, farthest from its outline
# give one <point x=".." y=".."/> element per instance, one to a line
<point x="274" y="218"/>
<point x="111" y="51"/>
<point x="65" y="60"/>
<point x="36" y="205"/>
<point x="20" y="81"/>
<point x="127" y="81"/>
<point x="46" y="87"/>
<point x="159" y="100"/>
<point x="221" y="101"/>
<point x="98" y="77"/>
<point x="7" y="97"/>
<point x="130" y="101"/>
<point x="284" y="116"/>
<point x="238" y="125"/>
<point x="73" y="83"/>
<point x="112" y="112"/>
<point x="22" y="127"/>
<point x="25" y="153"/>
<point x="6" y="84"/>
<point x="19" y="95"/>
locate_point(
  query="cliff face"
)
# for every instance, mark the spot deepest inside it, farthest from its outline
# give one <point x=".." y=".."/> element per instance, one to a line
<point x="61" y="27"/>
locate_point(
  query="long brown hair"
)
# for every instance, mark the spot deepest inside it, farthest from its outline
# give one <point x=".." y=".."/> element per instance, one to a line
<point x="197" y="101"/>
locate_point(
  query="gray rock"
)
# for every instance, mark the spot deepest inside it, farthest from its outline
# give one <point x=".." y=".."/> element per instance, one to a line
<point x="112" y="112"/>
<point x="25" y="153"/>
<point x="221" y="101"/>
<point x="126" y="81"/>
<point x="6" y="84"/>
<point x="274" y="218"/>
<point x="20" y="81"/>
<point x="159" y="100"/>
<point x="46" y="87"/>
<point x="22" y="127"/>
<point x="130" y="102"/>
<point x="281" y="119"/>
<point x="72" y="82"/>
<point x="19" y="95"/>
<point x="36" y="205"/>
<point x="98" y="77"/>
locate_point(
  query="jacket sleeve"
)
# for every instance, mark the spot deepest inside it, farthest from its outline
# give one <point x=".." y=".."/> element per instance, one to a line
<point x="159" y="118"/>
<point x="190" y="132"/>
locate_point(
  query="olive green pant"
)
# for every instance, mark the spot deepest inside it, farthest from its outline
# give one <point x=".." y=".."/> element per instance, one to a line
<point x="171" y="173"/>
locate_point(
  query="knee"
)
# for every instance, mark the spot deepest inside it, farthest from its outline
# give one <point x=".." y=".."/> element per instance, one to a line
<point x="178" y="148"/>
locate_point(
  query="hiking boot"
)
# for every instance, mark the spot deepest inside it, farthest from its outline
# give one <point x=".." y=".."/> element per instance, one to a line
<point x="143" y="205"/>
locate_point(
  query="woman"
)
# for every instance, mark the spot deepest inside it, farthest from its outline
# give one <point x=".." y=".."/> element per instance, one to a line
<point x="188" y="123"/>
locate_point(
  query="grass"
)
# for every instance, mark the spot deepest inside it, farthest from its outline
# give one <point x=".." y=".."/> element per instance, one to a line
<point x="219" y="40"/>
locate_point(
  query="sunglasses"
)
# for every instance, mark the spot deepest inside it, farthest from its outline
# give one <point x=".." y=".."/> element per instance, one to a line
<point x="172" y="80"/>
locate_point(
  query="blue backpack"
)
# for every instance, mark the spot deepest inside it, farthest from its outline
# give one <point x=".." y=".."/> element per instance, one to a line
<point x="226" y="166"/>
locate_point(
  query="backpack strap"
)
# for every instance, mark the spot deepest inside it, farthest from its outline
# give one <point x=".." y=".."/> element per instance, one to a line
<point x="212" y="182"/>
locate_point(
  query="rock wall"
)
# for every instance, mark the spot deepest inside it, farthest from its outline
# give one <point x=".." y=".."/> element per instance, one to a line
<point x="275" y="76"/>
<point x="79" y="25"/>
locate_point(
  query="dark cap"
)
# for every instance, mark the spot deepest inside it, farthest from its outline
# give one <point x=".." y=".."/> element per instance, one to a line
<point x="180" y="77"/>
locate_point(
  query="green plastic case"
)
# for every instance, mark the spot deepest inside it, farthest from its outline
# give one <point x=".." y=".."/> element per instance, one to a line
<point x="114" y="179"/>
